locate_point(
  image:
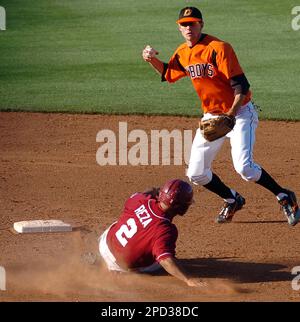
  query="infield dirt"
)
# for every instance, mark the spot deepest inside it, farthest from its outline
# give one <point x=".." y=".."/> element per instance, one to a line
<point x="49" y="171"/>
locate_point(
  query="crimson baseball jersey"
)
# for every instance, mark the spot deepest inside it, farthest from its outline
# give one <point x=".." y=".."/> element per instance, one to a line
<point x="210" y="64"/>
<point x="143" y="234"/>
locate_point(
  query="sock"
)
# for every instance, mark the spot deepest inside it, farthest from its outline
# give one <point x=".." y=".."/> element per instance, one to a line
<point x="218" y="187"/>
<point x="269" y="183"/>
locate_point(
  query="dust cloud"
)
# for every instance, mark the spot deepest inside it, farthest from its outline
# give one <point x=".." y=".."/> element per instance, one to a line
<point x="80" y="275"/>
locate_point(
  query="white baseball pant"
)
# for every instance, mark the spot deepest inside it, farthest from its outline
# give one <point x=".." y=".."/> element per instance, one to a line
<point x="242" y="139"/>
<point x="111" y="262"/>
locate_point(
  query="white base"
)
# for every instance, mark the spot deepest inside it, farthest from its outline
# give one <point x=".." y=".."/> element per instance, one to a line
<point x="41" y="226"/>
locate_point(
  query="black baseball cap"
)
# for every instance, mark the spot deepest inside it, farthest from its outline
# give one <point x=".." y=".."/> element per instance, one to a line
<point x="189" y="14"/>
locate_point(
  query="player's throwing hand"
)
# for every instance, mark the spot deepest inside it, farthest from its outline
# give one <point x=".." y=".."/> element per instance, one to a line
<point x="149" y="53"/>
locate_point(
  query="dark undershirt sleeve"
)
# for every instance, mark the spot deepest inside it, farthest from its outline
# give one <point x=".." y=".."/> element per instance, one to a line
<point x="163" y="79"/>
<point x="240" y="84"/>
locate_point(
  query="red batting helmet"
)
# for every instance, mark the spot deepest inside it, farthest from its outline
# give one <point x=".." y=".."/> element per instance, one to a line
<point x="177" y="195"/>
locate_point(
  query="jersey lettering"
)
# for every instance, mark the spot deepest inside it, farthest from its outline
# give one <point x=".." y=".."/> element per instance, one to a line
<point x="128" y="230"/>
<point x="201" y="70"/>
<point x="143" y="216"/>
<point x="192" y="71"/>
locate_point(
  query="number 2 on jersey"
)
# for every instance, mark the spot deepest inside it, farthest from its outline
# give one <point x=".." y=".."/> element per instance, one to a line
<point x="127" y="230"/>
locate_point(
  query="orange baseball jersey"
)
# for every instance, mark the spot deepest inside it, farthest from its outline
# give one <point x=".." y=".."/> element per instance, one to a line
<point x="211" y="63"/>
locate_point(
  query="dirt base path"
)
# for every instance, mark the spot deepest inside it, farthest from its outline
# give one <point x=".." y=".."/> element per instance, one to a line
<point x="48" y="169"/>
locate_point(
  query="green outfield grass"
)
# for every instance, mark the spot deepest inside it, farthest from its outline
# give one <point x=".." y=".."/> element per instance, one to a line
<point x="85" y="55"/>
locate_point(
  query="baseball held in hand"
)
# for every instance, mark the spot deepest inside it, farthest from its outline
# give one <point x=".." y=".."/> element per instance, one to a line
<point x="149" y="53"/>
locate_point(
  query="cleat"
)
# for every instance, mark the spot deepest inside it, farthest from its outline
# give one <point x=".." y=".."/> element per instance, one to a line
<point x="229" y="209"/>
<point x="290" y="207"/>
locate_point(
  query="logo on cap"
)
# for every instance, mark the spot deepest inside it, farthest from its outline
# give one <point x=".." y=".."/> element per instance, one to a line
<point x="187" y="12"/>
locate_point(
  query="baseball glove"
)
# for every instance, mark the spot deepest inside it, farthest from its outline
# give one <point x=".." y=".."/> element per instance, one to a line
<point x="215" y="128"/>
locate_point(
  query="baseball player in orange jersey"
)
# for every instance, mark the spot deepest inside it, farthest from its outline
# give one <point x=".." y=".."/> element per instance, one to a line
<point x="222" y="88"/>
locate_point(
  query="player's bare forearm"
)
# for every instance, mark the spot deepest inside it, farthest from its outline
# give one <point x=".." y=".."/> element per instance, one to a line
<point x="157" y="64"/>
<point x="172" y="266"/>
<point x="237" y="103"/>
<point x="149" y="55"/>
